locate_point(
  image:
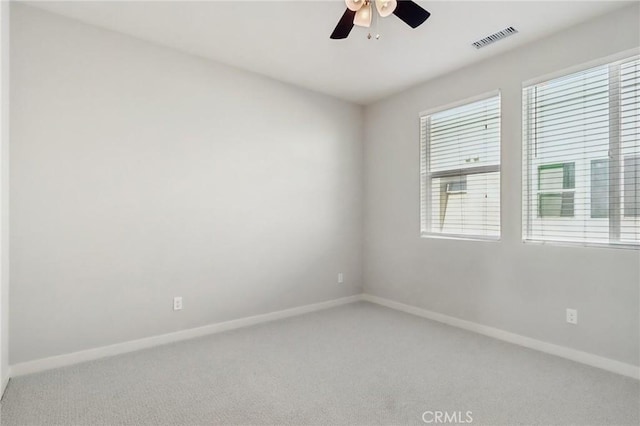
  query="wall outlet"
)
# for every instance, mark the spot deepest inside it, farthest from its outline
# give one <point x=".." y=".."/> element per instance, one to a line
<point x="340" y="278"/>
<point x="177" y="303"/>
<point x="572" y="316"/>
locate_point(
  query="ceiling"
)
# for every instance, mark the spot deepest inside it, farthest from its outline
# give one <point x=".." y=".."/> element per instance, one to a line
<point x="289" y="40"/>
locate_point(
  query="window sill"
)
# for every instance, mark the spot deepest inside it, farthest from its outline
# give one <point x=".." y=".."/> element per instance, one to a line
<point x="434" y="236"/>
<point x="583" y="244"/>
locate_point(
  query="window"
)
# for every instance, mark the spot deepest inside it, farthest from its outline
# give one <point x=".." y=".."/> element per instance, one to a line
<point x="460" y="171"/>
<point x="581" y="176"/>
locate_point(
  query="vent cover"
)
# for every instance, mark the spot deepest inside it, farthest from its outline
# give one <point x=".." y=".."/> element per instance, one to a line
<point x="494" y="37"/>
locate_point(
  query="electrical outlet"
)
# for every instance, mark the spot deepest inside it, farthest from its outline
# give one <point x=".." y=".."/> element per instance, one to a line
<point x="572" y="316"/>
<point x="177" y="303"/>
<point x="340" y="278"/>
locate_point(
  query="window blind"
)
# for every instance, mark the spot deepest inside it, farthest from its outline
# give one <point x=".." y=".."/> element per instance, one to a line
<point x="460" y="171"/>
<point x="581" y="181"/>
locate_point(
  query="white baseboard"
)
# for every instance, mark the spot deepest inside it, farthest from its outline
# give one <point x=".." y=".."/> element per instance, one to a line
<point x="611" y="365"/>
<point x="134" y="345"/>
<point x="148" y="342"/>
<point x="3" y="386"/>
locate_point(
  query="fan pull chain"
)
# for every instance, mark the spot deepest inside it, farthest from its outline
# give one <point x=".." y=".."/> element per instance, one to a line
<point x="377" y="23"/>
<point x="375" y="18"/>
<point x="374" y="21"/>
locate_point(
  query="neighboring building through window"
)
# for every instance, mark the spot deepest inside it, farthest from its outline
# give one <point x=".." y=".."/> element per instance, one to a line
<point x="581" y="179"/>
<point x="460" y="170"/>
<point x="600" y="188"/>
<point x="556" y="190"/>
<point x="631" y="193"/>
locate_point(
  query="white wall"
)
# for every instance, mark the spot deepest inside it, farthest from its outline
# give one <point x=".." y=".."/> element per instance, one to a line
<point x="508" y="285"/>
<point x="4" y="194"/>
<point x="139" y="173"/>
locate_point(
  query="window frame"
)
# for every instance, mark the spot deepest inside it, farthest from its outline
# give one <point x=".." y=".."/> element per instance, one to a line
<point x="614" y="143"/>
<point x="425" y="214"/>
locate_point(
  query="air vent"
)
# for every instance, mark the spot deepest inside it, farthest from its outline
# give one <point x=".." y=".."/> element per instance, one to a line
<point x="495" y="37"/>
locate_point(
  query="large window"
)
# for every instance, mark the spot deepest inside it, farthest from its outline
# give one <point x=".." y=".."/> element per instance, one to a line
<point x="582" y="157"/>
<point x="460" y="170"/>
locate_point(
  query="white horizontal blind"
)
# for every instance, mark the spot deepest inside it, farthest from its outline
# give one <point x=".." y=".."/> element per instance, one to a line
<point x="630" y="151"/>
<point x="581" y="178"/>
<point x="460" y="171"/>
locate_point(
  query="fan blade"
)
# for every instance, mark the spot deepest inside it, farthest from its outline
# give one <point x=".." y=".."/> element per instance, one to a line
<point x="412" y="14"/>
<point x="344" y="26"/>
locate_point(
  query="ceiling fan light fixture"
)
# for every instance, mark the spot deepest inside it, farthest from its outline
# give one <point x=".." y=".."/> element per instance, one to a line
<point x="354" y="5"/>
<point x="360" y="13"/>
<point x="363" y="16"/>
<point x="386" y="7"/>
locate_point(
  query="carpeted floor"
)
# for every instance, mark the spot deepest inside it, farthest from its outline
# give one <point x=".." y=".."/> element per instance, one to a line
<point x="357" y="364"/>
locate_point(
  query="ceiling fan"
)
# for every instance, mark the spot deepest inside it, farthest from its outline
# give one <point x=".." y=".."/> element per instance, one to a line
<point x="359" y="12"/>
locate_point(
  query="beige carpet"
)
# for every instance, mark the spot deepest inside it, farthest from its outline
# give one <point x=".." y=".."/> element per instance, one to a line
<point x="357" y="364"/>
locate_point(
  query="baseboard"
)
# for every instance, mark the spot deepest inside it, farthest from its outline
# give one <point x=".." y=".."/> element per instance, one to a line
<point x="608" y="364"/>
<point x="3" y="387"/>
<point x="135" y="345"/>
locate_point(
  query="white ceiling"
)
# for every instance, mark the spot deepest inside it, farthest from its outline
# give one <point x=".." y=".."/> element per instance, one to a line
<point x="289" y="40"/>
